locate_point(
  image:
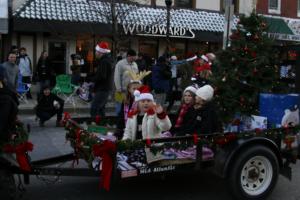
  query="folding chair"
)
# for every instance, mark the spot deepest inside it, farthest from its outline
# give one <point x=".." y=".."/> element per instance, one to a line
<point x="22" y="89"/>
<point x="65" y="89"/>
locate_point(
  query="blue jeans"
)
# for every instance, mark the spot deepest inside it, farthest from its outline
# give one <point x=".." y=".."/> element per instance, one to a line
<point x="98" y="103"/>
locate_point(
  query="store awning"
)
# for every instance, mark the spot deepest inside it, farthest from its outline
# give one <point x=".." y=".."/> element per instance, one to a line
<point x="279" y="30"/>
<point x="277" y="25"/>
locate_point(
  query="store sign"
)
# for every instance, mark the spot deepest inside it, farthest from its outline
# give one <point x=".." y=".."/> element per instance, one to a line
<point x="3" y="16"/>
<point x="288" y="37"/>
<point x="157" y="31"/>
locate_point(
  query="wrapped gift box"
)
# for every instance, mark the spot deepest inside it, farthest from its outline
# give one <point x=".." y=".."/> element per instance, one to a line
<point x="274" y="107"/>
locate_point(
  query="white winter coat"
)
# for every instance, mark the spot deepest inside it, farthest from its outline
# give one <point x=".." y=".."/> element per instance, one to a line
<point x="152" y="126"/>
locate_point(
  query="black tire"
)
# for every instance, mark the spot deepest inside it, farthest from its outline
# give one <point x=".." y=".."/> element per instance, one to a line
<point x="254" y="173"/>
<point x="8" y="189"/>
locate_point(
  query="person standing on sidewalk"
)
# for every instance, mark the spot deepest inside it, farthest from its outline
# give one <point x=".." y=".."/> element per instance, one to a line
<point x="8" y="106"/>
<point x="25" y="67"/>
<point x="121" y="78"/>
<point x="44" y="70"/>
<point x="11" y="71"/>
<point x="102" y="80"/>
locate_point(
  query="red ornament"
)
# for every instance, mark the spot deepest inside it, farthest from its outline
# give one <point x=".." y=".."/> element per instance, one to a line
<point x="148" y="142"/>
<point x="263" y="25"/>
<point x="253" y="54"/>
<point x="221" y="141"/>
<point x="230" y="137"/>
<point x="258" y="131"/>
<point x="255" y="71"/>
<point x="195" y="138"/>
<point x="97" y="119"/>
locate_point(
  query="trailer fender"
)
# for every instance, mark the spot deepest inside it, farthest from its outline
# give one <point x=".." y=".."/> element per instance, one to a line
<point x="225" y="157"/>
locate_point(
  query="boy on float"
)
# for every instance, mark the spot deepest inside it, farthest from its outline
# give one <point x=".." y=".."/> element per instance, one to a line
<point x="148" y="120"/>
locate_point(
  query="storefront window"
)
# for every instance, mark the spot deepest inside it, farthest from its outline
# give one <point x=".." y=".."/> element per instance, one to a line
<point x="148" y="47"/>
<point x="85" y="48"/>
<point x="298" y="8"/>
<point x="274" y="6"/>
<point x="184" y="3"/>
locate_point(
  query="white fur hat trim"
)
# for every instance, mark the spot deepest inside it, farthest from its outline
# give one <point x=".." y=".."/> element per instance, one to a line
<point x="142" y="96"/>
<point x="190" y="88"/>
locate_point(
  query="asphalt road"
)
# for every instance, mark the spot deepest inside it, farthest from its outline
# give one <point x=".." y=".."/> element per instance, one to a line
<point x="49" y="141"/>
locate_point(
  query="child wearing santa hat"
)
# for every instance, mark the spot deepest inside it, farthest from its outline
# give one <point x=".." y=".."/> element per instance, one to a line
<point x="148" y="120"/>
<point x="202" y="117"/>
<point x="128" y="102"/>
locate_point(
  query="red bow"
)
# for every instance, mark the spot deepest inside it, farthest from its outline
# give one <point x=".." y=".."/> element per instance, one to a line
<point x="106" y="151"/>
<point x="20" y="151"/>
<point x="195" y="138"/>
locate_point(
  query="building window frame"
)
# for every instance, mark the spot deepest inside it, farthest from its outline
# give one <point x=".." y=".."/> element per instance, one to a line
<point x="236" y="4"/>
<point x="298" y="8"/>
<point x="192" y="2"/>
<point x="274" y="10"/>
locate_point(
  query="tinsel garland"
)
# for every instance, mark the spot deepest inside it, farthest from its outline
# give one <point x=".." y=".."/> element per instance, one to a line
<point x="87" y="140"/>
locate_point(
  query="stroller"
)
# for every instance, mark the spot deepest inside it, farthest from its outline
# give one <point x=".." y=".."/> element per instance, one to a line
<point x="84" y="92"/>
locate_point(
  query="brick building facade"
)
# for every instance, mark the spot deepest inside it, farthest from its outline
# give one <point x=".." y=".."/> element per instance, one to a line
<point x="285" y="8"/>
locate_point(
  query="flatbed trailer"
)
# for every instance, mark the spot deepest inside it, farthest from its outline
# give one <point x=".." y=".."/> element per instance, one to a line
<point x="250" y="162"/>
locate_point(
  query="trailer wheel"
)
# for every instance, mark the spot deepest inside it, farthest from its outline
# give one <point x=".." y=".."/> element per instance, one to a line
<point x="8" y="189"/>
<point x="254" y="173"/>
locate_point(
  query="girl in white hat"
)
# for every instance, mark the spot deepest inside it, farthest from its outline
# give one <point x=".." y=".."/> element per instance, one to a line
<point x="148" y="120"/>
<point x="188" y="100"/>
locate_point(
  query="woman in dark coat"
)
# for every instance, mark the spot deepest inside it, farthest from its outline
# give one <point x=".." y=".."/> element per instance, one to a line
<point x="9" y="109"/>
<point x="44" y="71"/>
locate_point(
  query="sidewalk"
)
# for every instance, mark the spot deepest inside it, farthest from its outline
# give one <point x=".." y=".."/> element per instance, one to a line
<point x="79" y="107"/>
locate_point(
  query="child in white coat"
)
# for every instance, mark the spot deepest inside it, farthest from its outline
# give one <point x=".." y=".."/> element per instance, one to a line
<point x="148" y="120"/>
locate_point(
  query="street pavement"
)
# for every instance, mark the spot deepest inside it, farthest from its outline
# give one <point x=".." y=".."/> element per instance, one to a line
<point x="50" y="141"/>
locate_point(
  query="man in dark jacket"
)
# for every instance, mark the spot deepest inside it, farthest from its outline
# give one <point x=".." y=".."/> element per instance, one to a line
<point x="102" y="79"/>
<point x="9" y="109"/>
<point x="202" y="118"/>
<point x="161" y="77"/>
<point x="48" y="106"/>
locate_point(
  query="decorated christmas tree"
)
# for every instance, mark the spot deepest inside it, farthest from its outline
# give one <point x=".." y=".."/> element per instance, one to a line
<point x="246" y="68"/>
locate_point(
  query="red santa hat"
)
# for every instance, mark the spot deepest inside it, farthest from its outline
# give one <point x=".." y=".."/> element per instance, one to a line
<point x="143" y="93"/>
<point x="205" y="58"/>
<point x="102" y="47"/>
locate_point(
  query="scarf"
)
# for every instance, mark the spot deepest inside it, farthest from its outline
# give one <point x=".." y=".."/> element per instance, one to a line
<point x="183" y="109"/>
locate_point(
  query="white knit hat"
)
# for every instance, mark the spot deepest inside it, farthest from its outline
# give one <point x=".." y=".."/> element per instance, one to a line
<point x="206" y="92"/>
<point x="173" y="57"/>
<point x="190" y="88"/>
<point x="143" y="93"/>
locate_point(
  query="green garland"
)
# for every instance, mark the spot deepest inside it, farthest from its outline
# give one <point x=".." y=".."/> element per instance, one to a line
<point x="18" y="136"/>
<point x="86" y="140"/>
